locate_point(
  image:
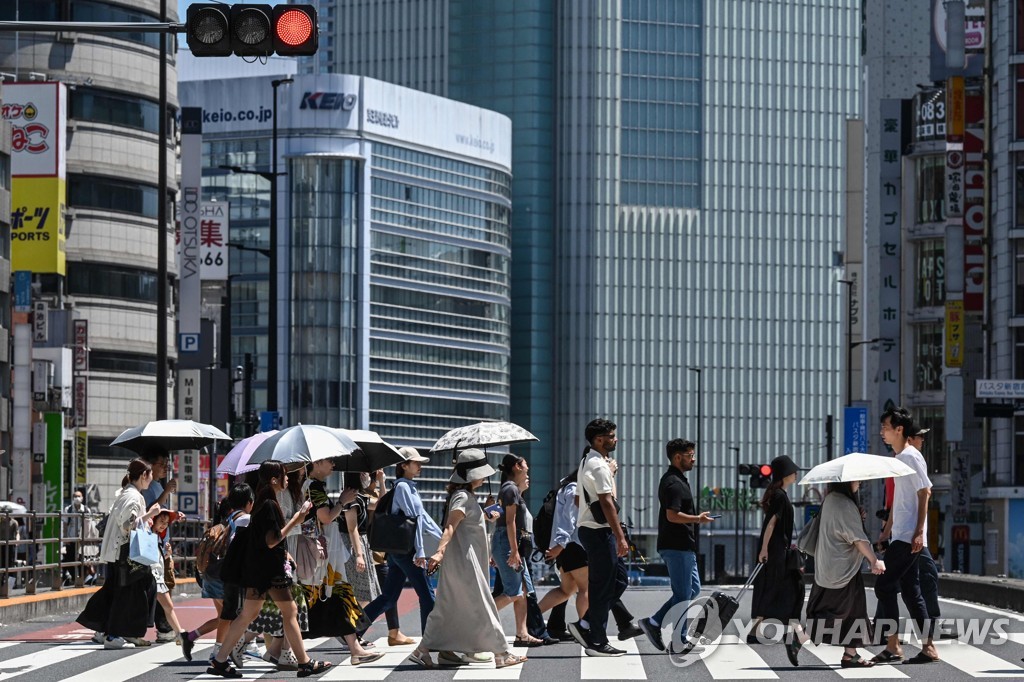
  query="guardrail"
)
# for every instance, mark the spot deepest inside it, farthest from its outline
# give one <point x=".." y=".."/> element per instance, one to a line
<point x="23" y="558"/>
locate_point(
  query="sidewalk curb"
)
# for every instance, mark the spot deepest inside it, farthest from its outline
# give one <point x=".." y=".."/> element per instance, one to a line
<point x="69" y="600"/>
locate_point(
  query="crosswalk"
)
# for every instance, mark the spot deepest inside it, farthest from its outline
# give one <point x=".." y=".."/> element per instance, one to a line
<point x="729" y="659"/>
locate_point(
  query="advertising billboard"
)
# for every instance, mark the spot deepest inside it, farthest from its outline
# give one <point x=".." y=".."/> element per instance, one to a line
<point x="38" y="233"/>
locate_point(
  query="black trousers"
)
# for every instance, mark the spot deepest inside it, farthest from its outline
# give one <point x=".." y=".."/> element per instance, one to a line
<point x="901" y="577"/>
<point x="608" y="579"/>
<point x="929" y="578"/>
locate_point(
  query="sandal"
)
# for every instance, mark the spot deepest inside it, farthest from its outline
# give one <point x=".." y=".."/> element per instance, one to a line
<point x="793" y="651"/>
<point x="422" y="659"/>
<point x="921" y="657"/>
<point x="312" y="667"/>
<point x="368" y="658"/>
<point x="451" y="658"/>
<point x="886" y="656"/>
<point x="508" y="658"/>
<point x="528" y="641"/>
<point x="855" y="661"/>
<point x="224" y="669"/>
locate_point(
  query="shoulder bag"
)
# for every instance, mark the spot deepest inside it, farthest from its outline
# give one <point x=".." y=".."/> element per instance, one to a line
<point x="807" y="540"/>
<point x="310" y="549"/>
<point x="392" y="533"/>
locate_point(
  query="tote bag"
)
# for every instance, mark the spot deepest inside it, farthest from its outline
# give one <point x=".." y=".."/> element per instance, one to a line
<point x="392" y="533"/>
<point x="144" y="547"/>
<point x="808" y="538"/>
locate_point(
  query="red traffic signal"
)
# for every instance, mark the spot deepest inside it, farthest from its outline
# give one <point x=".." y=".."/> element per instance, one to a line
<point x="766" y="470"/>
<point x="251" y="30"/>
<point x="295" y="30"/>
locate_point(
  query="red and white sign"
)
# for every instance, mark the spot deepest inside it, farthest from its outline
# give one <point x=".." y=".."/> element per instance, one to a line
<point x="37" y="113"/>
<point x="81" y="345"/>
<point x="214" y="228"/>
<point x="974" y="206"/>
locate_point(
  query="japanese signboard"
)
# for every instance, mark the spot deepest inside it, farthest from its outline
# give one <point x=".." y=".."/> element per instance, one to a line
<point x="960" y="486"/>
<point x="974" y="223"/>
<point x="954" y="181"/>
<point x="188" y="394"/>
<point x="955" y="109"/>
<point x="855" y="430"/>
<point x="930" y="115"/>
<point x="81" y="345"/>
<point x="189" y="278"/>
<point x="998" y="388"/>
<point x="81" y="400"/>
<point x="213" y="241"/>
<point x="188" y="481"/>
<point x="890" y="319"/>
<point x="37" y="113"/>
<point x="954" y="333"/>
<point x="37" y="225"/>
<point x="40" y="321"/>
<point x="81" y="457"/>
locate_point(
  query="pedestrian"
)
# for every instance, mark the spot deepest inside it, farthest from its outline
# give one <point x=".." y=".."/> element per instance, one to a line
<point x="161" y="522"/>
<point x="677" y="535"/>
<point x="157" y="495"/>
<point x="505" y="544"/>
<point x="373" y="492"/>
<point x="120" y="611"/>
<point x="927" y="571"/>
<point x="465" y="617"/>
<point x="76" y="524"/>
<point x="837" y="609"/>
<point x="413" y="565"/>
<point x="334" y="610"/>
<point x="906" y="528"/>
<point x="602" y="536"/>
<point x="269" y="573"/>
<point x="353" y="526"/>
<point x="779" y="587"/>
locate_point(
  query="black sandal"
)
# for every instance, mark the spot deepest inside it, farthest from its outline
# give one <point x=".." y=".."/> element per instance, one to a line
<point x="312" y="667"/>
<point x="224" y="669"/>
<point x="855" y="661"/>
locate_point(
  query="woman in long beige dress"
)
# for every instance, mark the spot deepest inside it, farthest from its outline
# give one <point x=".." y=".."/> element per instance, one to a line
<point x="464" y="617"/>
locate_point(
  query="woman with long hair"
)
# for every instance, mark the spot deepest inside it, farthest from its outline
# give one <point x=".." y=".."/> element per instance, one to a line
<point x="334" y="610"/>
<point x="510" y="530"/>
<point x="374" y="491"/>
<point x="464" y="617"/>
<point x="779" y="587"/>
<point x="269" y="573"/>
<point x="353" y="525"/>
<point x="837" y="605"/>
<point x="120" y="611"/>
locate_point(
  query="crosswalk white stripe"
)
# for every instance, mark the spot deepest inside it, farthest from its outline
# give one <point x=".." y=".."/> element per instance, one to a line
<point x="4" y="645"/>
<point x="832" y="655"/>
<point x="378" y="670"/>
<point x="40" y="659"/>
<point x="986" y="609"/>
<point x="135" y="664"/>
<point x="628" y="667"/>
<point x="1017" y="637"/>
<point x="487" y="671"/>
<point x="254" y="669"/>
<point x="732" y="659"/>
<point x="970" y="659"/>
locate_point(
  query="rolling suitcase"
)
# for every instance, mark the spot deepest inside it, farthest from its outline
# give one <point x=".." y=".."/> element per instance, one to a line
<point x="715" y="614"/>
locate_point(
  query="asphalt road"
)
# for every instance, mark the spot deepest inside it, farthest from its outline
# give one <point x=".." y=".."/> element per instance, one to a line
<point x="56" y="648"/>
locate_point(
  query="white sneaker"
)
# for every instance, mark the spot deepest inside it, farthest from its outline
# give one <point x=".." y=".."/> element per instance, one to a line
<point x="113" y="643"/>
<point x="213" y="654"/>
<point x="252" y="650"/>
<point x="99" y="638"/>
<point x="166" y="636"/>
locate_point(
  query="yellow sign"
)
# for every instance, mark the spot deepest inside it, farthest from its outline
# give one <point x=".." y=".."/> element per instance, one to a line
<point x="81" y="456"/>
<point x="38" y="233"/>
<point x="955" y="333"/>
<point x="955" y="109"/>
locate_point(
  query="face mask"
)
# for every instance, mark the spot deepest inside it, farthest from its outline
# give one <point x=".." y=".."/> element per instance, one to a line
<point x="364" y="480"/>
<point x="78" y="501"/>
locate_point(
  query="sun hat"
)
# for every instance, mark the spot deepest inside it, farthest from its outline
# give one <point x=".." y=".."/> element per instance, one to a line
<point x="411" y="454"/>
<point x="471" y="465"/>
<point x="783" y="466"/>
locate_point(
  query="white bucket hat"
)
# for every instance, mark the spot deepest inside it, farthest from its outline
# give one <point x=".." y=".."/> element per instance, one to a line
<point x="471" y="465"/>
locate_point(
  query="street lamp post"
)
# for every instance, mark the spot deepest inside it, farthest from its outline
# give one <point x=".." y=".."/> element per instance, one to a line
<point x="275" y="297"/>
<point x="736" y="504"/>
<point x="696" y="475"/>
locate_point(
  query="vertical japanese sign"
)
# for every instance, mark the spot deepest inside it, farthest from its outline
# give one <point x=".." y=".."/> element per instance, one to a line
<point x="974" y="204"/>
<point x="189" y="284"/>
<point x="891" y="205"/>
<point x="954" y="333"/>
<point x="855" y="430"/>
<point x="188" y="481"/>
<point x="188" y="394"/>
<point x="214" y="226"/>
<point x="81" y="367"/>
<point x="38" y="116"/>
<point x="81" y="457"/>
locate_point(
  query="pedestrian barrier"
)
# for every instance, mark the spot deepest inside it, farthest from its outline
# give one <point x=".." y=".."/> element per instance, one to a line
<point x="75" y="550"/>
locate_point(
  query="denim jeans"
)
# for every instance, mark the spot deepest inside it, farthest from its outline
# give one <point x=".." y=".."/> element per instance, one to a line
<point x="608" y="579"/>
<point x="511" y="579"/>
<point x="684" y="577"/>
<point x="400" y="567"/>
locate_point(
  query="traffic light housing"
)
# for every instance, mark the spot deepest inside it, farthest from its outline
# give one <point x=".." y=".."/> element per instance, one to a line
<point x="251" y="30"/>
<point x="760" y="474"/>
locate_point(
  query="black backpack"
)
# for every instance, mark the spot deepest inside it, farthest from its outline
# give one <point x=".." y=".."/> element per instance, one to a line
<point x="544" y="521"/>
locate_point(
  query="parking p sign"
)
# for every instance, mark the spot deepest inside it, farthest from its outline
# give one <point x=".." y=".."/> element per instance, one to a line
<point x="188" y="503"/>
<point x="188" y="343"/>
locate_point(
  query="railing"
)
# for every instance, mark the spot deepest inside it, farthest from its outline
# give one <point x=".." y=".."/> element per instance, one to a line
<point x="77" y="555"/>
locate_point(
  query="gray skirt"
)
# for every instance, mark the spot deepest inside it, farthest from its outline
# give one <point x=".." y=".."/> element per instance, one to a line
<point x="364" y="585"/>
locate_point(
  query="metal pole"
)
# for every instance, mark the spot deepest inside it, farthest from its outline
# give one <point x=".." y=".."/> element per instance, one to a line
<point x="736" y="503"/>
<point x="848" y="283"/>
<point x="161" y="232"/>
<point x="696" y="475"/>
<point x="275" y="298"/>
<point x="247" y="395"/>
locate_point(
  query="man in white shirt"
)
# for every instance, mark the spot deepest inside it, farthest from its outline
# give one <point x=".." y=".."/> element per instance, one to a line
<point x="907" y="526"/>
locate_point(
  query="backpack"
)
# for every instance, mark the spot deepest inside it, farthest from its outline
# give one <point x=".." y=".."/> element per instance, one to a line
<point x="544" y="521"/>
<point x="211" y="549"/>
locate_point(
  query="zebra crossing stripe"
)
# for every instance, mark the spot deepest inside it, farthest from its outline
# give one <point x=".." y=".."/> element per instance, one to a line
<point x="59" y="653"/>
<point x="487" y="671"/>
<point x="378" y="670"/>
<point x="832" y="655"/>
<point x="628" y="667"/>
<point x="733" y="659"/>
<point x="129" y="665"/>
<point x="974" y="661"/>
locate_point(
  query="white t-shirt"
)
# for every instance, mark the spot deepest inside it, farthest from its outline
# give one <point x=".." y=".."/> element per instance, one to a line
<point x="904" y="502"/>
<point x="595" y="476"/>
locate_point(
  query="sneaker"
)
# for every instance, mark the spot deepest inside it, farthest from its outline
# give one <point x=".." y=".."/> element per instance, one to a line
<point x="236" y="653"/>
<point x="113" y="643"/>
<point x="169" y="636"/>
<point x="99" y="637"/>
<point x="138" y="642"/>
<point x="653" y="633"/>
<point x="580" y="634"/>
<point x="187" y="644"/>
<point x="629" y="632"/>
<point x="604" y="650"/>
<point x="287" y="661"/>
<point x="252" y="650"/>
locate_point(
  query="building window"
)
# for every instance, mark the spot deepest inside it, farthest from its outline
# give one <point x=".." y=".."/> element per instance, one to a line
<point x="1019" y="101"/>
<point x="930" y="288"/>
<point x="934" y="447"/>
<point x="110" y="194"/>
<point x="1020" y="26"/>
<point x="109" y="281"/>
<point x="1018" y="277"/>
<point x="1018" y="452"/>
<point x="931" y="188"/>
<point x="126" y="363"/>
<point x="114" y="108"/>
<point x="928" y="357"/>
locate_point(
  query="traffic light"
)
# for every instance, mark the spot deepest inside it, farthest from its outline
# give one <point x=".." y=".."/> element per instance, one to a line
<point x="760" y="474"/>
<point x="251" y="30"/>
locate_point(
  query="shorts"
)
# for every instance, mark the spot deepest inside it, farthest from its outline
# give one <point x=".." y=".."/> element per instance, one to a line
<point x="511" y="579"/>
<point x="572" y="558"/>
<point x="212" y="588"/>
<point x="233" y="601"/>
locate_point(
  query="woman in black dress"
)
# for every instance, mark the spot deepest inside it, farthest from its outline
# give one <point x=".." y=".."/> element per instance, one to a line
<point x="269" y="572"/>
<point x="779" y="587"/>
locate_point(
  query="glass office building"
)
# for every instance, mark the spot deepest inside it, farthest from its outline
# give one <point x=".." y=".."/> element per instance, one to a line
<point x="395" y="233"/>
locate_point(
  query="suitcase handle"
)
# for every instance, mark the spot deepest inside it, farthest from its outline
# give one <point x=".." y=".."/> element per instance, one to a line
<point x="757" y="569"/>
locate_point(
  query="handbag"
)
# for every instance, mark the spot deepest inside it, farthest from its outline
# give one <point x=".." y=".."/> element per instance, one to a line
<point x="310" y="551"/>
<point x="807" y="540"/>
<point x="392" y="533"/>
<point x="596" y="510"/>
<point x="144" y="547"/>
<point x="794" y="559"/>
<point x="169" y="578"/>
<point x="129" y="571"/>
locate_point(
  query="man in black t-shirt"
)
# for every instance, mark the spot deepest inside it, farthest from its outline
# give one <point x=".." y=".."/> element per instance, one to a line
<point x="676" y="534"/>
